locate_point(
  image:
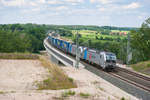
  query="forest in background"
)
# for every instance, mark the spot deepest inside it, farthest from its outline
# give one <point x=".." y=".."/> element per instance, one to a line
<point x="29" y="38"/>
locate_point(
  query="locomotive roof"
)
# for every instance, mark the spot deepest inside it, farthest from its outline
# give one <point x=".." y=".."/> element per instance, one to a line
<point x="62" y="39"/>
<point x="89" y="49"/>
<point x="109" y="53"/>
<point x="93" y="50"/>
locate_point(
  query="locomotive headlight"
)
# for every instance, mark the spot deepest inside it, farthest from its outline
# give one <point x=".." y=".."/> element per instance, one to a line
<point x="104" y="62"/>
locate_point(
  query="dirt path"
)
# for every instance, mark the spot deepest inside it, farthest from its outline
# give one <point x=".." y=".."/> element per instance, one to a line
<point x="17" y="79"/>
<point x="19" y="75"/>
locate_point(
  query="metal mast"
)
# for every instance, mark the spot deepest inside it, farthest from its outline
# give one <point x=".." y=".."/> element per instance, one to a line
<point x="77" y="50"/>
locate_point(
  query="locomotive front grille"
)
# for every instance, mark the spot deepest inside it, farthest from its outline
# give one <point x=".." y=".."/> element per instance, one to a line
<point x="111" y="61"/>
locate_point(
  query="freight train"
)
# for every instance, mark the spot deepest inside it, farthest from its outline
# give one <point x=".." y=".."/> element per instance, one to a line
<point x="105" y="60"/>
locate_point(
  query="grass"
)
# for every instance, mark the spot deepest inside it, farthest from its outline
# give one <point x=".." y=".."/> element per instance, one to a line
<point x="143" y="67"/>
<point x="92" y="34"/>
<point x="18" y="56"/>
<point x="102" y="89"/>
<point x="70" y="79"/>
<point x="1" y="92"/>
<point x="57" y="79"/>
<point x="13" y="91"/>
<point x="122" y="98"/>
<point x="95" y="82"/>
<point x="64" y="95"/>
<point x="68" y="93"/>
<point x="84" y="95"/>
<point x="84" y="31"/>
<point x="119" y="31"/>
<point x="58" y="98"/>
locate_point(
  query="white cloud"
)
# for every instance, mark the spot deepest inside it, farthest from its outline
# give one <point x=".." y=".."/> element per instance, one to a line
<point x="35" y="9"/>
<point x="61" y="8"/>
<point x="74" y="1"/>
<point x="102" y="1"/>
<point x="132" y="5"/>
<point x="21" y="3"/>
<point x="13" y="2"/>
<point x="54" y="2"/>
<point x="42" y="1"/>
<point x="33" y="3"/>
<point x="117" y="8"/>
<point x="109" y="8"/>
<point x="102" y="9"/>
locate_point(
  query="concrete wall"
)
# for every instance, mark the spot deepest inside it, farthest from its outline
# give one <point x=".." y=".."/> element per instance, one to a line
<point x="54" y="60"/>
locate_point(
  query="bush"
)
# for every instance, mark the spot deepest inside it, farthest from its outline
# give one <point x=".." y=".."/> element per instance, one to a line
<point x="70" y="79"/>
<point x="84" y="95"/>
<point x="123" y="98"/>
<point x="68" y="93"/>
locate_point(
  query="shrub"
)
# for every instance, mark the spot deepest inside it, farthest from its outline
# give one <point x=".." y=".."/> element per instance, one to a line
<point x="68" y="93"/>
<point x="84" y="95"/>
<point x="122" y="98"/>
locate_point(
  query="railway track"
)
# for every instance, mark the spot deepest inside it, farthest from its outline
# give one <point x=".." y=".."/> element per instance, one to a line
<point x="133" y="78"/>
<point x="133" y="73"/>
<point x="128" y="76"/>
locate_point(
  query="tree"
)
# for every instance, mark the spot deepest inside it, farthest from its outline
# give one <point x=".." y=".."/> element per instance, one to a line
<point x="106" y="32"/>
<point x="101" y="38"/>
<point x="140" y="41"/>
<point x="14" y="42"/>
<point x="96" y="37"/>
<point x="118" y="39"/>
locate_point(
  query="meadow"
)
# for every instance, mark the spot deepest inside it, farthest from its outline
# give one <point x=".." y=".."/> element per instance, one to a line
<point x="95" y="35"/>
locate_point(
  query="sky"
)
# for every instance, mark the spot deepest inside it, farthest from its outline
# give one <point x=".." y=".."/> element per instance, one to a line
<point x="121" y="13"/>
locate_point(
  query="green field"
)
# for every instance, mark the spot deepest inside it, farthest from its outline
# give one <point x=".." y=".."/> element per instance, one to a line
<point x="88" y="34"/>
<point x="84" y="32"/>
<point x="119" y="31"/>
<point x="90" y="31"/>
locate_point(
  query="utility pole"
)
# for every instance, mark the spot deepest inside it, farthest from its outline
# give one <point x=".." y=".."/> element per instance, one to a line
<point x="129" y="53"/>
<point x="77" y="50"/>
<point x="89" y="43"/>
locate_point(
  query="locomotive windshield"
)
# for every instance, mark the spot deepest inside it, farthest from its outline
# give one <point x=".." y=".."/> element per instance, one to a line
<point x="110" y="57"/>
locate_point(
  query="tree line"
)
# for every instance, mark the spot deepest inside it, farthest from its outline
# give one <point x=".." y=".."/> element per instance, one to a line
<point x="26" y="37"/>
<point x="29" y="38"/>
<point x="140" y="43"/>
<point x="105" y="29"/>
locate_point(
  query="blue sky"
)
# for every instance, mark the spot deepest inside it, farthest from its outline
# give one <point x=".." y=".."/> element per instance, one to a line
<point x="124" y="13"/>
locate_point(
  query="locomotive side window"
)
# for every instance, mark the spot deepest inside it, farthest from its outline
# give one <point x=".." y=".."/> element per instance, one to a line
<point x="100" y="56"/>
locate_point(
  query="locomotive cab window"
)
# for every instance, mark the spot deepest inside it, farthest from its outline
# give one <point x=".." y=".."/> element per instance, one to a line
<point x="110" y="57"/>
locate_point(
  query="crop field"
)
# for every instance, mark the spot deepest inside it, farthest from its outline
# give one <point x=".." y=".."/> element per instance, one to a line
<point x="119" y="31"/>
<point x="88" y="34"/>
<point x="84" y="32"/>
